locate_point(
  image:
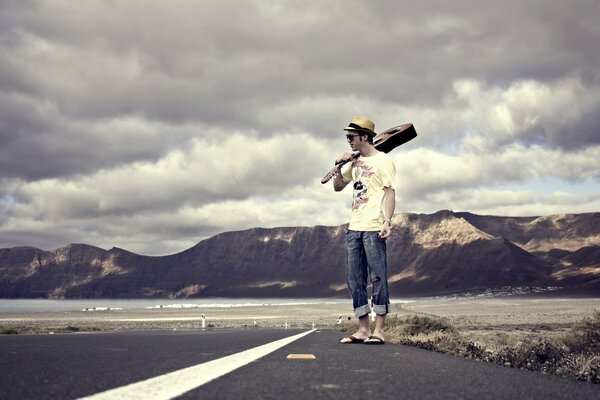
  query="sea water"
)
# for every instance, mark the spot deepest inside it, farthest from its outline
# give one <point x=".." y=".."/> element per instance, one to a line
<point x="45" y="305"/>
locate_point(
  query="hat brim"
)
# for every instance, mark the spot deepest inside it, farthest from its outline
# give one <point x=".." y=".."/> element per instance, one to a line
<point x="361" y="130"/>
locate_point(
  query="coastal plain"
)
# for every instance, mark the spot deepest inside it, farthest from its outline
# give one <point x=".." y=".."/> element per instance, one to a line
<point x="503" y="321"/>
<point x="496" y="320"/>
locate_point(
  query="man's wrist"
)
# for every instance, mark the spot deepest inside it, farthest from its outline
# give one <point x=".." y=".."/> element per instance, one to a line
<point x="389" y="221"/>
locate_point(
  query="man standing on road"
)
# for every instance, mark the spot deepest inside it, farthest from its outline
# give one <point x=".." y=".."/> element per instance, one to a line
<point x="373" y="174"/>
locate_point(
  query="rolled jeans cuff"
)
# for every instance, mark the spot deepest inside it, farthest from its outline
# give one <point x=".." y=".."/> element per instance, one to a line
<point x="381" y="309"/>
<point x="362" y="310"/>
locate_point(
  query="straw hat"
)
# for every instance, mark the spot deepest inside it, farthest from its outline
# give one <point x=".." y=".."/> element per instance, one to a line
<point x="361" y="125"/>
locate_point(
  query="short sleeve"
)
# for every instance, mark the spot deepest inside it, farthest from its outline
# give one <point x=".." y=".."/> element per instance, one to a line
<point x="347" y="173"/>
<point x="388" y="173"/>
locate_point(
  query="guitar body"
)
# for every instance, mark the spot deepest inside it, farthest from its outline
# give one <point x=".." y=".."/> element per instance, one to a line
<point x="389" y="139"/>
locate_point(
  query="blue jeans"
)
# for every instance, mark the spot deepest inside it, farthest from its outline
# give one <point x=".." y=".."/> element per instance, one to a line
<point x="367" y="258"/>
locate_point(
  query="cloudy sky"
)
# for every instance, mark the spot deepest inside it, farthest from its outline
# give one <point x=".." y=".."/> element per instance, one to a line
<point x="151" y="125"/>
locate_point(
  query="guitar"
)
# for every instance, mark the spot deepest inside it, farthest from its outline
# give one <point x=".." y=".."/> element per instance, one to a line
<point x="385" y="141"/>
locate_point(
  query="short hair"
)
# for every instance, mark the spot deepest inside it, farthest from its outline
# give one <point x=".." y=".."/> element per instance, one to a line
<point x="369" y="137"/>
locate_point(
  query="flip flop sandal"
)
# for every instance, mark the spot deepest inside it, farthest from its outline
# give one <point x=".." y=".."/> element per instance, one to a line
<point x="351" y="340"/>
<point x="374" y="340"/>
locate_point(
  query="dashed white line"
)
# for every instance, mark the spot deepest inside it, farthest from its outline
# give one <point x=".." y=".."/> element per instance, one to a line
<point x="176" y="383"/>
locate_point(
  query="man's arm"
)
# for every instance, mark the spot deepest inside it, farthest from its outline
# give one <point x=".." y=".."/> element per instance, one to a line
<point x="388" y="212"/>
<point x="338" y="181"/>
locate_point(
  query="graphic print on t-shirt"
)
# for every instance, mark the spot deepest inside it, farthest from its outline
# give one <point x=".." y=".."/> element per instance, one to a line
<point x="362" y="172"/>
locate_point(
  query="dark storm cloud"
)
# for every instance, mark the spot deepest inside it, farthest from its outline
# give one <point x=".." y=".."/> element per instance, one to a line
<point x="249" y="55"/>
<point x="37" y="142"/>
<point x="223" y="63"/>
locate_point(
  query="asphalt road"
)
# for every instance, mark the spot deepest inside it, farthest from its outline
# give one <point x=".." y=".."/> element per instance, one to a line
<point x="69" y="366"/>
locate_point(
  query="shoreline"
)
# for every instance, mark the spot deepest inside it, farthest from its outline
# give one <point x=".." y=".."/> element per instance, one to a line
<point x="510" y="318"/>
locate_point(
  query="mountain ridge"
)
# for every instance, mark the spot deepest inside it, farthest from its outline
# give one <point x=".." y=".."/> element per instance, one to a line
<point x="428" y="254"/>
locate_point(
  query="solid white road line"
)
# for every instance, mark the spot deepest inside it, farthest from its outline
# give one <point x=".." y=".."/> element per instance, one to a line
<point x="178" y="382"/>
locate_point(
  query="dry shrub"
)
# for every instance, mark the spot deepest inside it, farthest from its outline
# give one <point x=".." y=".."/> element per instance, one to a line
<point x="71" y="328"/>
<point x="396" y="328"/>
<point x="537" y="355"/>
<point x="431" y="333"/>
<point x="587" y="368"/>
<point x="9" y="331"/>
<point x="580" y="366"/>
<point x="585" y="335"/>
<point x="445" y="342"/>
<point x="421" y="324"/>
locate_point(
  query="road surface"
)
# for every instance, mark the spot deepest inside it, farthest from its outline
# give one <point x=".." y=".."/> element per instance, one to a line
<point x="69" y="366"/>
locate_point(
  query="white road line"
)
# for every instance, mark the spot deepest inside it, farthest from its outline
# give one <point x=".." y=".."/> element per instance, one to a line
<point x="176" y="383"/>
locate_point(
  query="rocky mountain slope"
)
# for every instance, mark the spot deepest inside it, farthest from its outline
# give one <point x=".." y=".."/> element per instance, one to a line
<point x="439" y="253"/>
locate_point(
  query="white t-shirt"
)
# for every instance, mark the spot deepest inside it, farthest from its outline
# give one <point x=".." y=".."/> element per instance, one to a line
<point x="370" y="176"/>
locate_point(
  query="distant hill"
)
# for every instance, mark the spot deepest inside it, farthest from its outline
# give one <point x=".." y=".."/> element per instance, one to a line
<point x="428" y="254"/>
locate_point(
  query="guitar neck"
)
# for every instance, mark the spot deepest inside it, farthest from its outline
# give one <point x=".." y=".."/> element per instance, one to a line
<point x="334" y="171"/>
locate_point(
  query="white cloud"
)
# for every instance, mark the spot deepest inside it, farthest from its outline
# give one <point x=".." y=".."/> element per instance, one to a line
<point x="208" y="170"/>
<point x="423" y="172"/>
<point x="508" y="202"/>
<point x="530" y="111"/>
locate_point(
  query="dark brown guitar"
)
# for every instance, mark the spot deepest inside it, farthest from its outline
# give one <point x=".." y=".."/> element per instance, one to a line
<point x="385" y="141"/>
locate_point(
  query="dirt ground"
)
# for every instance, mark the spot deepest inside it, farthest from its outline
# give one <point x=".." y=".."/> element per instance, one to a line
<point x="501" y="320"/>
<point x="504" y="321"/>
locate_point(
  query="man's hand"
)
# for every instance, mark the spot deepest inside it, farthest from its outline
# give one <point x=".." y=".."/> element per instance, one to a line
<point x="389" y="206"/>
<point x="385" y="231"/>
<point x="344" y="157"/>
